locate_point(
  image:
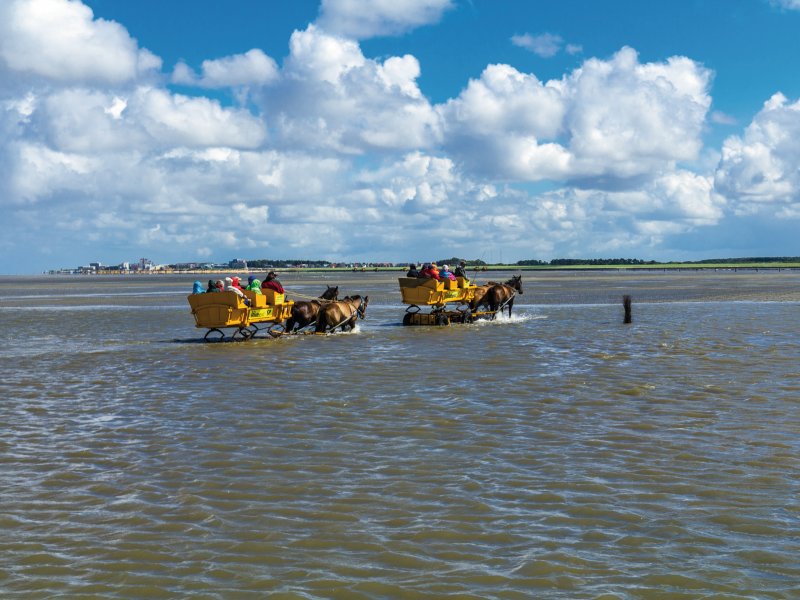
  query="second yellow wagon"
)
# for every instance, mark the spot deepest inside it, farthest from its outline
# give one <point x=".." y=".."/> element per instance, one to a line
<point x="417" y="293"/>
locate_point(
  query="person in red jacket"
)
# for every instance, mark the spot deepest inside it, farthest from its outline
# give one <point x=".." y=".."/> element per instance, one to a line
<point x="435" y="271"/>
<point x="430" y="272"/>
<point x="271" y="283"/>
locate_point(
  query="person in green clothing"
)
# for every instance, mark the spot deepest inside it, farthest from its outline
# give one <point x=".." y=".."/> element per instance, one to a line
<point x="253" y="284"/>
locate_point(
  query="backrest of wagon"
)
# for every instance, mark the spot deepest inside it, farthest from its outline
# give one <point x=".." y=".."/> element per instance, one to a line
<point x="218" y="309"/>
<point x="430" y="292"/>
<point x="268" y="307"/>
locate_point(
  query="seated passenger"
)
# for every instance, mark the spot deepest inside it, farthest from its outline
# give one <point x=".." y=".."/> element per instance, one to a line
<point x="197" y="288"/>
<point x="435" y="271"/>
<point x="429" y="272"/>
<point x="235" y="283"/>
<point x="271" y="283"/>
<point x="412" y="270"/>
<point x="212" y="286"/>
<point x="219" y="286"/>
<point x="229" y="287"/>
<point x="461" y="270"/>
<point x="446" y="274"/>
<point x="253" y="284"/>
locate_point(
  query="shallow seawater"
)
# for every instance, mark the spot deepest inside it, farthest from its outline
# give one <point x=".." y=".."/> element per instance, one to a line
<point x="555" y="454"/>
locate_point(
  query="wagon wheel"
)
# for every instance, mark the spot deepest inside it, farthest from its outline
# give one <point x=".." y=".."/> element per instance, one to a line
<point x="442" y="319"/>
<point x="466" y="313"/>
<point x="276" y="330"/>
<point x="407" y="318"/>
<point x="218" y="336"/>
<point x="243" y="333"/>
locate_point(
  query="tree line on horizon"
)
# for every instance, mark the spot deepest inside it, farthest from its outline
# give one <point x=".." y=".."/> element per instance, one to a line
<point x="556" y="262"/>
<point x="569" y="262"/>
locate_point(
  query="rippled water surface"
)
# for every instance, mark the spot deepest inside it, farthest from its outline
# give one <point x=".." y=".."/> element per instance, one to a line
<point x="556" y="454"/>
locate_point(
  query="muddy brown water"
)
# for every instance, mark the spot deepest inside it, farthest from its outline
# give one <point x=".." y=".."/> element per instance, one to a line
<point x="556" y="454"/>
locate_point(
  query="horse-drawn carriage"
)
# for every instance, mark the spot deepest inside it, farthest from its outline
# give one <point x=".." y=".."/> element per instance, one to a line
<point x="465" y="297"/>
<point x="228" y="310"/>
<point x="249" y="313"/>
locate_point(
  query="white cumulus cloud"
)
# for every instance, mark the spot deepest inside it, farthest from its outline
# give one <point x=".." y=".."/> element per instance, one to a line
<point x="61" y="41"/>
<point x="331" y="96"/>
<point x="616" y="119"/>
<point x="251" y="68"/>
<point x="363" y="19"/>
<point x="758" y="171"/>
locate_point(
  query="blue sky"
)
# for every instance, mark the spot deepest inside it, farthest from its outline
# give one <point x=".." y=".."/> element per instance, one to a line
<point x="391" y="130"/>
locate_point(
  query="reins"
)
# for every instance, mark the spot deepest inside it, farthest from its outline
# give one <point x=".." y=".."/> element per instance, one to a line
<point x="312" y="298"/>
<point x="510" y="298"/>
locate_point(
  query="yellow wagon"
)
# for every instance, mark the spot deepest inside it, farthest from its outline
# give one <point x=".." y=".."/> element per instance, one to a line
<point x="438" y="294"/>
<point x="217" y="311"/>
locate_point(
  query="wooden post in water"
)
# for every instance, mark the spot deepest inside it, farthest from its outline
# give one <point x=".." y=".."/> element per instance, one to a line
<point x="626" y="303"/>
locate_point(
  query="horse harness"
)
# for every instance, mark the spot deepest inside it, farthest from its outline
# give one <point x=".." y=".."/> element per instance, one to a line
<point x="360" y="312"/>
<point x="509" y="299"/>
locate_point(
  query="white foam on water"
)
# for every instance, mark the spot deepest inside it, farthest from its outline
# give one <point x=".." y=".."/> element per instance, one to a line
<point x="100" y="419"/>
<point x="355" y="331"/>
<point x="504" y="319"/>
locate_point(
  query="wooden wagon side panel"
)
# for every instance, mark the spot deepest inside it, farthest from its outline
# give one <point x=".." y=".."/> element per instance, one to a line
<point x="427" y="292"/>
<point x="218" y="309"/>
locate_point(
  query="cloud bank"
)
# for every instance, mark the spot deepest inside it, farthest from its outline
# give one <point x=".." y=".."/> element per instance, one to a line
<point x="339" y="155"/>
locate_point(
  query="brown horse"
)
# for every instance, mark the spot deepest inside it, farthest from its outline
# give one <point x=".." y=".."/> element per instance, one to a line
<point x="497" y="296"/>
<point x="480" y="294"/>
<point x="342" y="314"/>
<point x="305" y="313"/>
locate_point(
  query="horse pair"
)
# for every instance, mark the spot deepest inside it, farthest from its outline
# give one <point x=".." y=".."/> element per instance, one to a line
<point x="305" y="313"/>
<point x="497" y="296"/>
<point x="327" y="312"/>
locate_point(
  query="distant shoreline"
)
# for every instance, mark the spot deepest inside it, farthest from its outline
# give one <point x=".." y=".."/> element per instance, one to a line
<point x="749" y="266"/>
